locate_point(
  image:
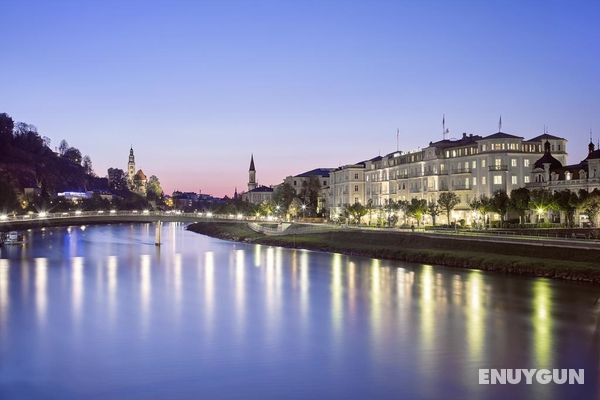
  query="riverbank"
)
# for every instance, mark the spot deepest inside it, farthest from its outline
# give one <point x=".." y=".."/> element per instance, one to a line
<point x="520" y="259"/>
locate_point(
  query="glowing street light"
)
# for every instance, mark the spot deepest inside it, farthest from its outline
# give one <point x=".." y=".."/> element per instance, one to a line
<point x="42" y="214"/>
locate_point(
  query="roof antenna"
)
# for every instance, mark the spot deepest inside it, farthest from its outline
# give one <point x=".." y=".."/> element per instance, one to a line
<point x="500" y="124"/>
<point x="397" y="139"/>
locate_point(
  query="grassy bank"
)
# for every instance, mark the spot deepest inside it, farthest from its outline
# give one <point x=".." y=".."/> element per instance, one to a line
<point x="522" y="259"/>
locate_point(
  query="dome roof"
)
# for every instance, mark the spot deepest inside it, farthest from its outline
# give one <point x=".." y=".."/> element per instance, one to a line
<point x="547" y="158"/>
<point x="595" y="154"/>
<point x="139" y="176"/>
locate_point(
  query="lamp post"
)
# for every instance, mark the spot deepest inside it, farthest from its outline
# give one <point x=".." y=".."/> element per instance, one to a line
<point x="303" y="211"/>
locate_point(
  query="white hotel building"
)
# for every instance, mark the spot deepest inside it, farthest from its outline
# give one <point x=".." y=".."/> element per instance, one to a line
<point x="470" y="167"/>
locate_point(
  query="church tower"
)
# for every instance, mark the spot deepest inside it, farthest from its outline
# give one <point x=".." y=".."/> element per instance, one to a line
<point x="131" y="168"/>
<point x="251" y="174"/>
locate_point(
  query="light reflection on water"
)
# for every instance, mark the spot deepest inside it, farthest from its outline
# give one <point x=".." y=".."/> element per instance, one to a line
<point x="111" y="316"/>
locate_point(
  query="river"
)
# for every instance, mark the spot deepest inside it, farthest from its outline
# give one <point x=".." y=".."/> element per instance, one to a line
<point x="99" y="312"/>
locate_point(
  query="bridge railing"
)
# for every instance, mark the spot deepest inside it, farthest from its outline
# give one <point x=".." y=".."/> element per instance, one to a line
<point x="40" y="216"/>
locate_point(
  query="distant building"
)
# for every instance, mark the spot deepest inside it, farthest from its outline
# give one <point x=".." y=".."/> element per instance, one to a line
<point x="300" y="183"/>
<point x="256" y="193"/>
<point x="135" y="180"/>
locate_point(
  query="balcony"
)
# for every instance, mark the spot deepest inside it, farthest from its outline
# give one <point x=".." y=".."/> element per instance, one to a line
<point x="461" y="170"/>
<point x="415" y="190"/>
<point x="402" y="176"/>
<point x="498" y="167"/>
<point x="461" y="187"/>
<point x="432" y="173"/>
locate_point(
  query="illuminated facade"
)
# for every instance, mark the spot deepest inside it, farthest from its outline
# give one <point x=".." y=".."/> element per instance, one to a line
<point x="471" y="166"/>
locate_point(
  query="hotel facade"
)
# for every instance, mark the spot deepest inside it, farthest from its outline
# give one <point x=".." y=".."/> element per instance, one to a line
<point x="470" y="166"/>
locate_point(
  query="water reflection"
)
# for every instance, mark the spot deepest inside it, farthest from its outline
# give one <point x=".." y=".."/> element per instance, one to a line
<point x="77" y="285"/>
<point x="353" y="327"/>
<point x="4" y="290"/>
<point x="475" y="314"/>
<point x="145" y="289"/>
<point x="542" y="322"/>
<point x="41" y="288"/>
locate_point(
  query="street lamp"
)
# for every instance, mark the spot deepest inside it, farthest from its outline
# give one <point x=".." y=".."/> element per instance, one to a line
<point x="303" y="211"/>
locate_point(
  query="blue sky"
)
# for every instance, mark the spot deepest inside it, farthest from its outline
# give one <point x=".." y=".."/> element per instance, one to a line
<point x="197" y="86"/>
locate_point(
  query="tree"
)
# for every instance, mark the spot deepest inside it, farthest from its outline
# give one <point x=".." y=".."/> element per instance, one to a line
<point x="433" y="209"/>
<point x="7" y="125"/>
<point x="153" y="189"/>
<point x="447" y="202"/>
<point x="87" y="165"/>
<point x="63" y="147"/>
<point x="294" y="207"/>
<point x="356" y="211"/>
<point x="266" y="208"/>
<point x="369" y="208"/>
<point x="309" y="194"/>
<point x="417" y="209"/>
<point x="403" y="206"/>
<point x="117" y="180"/>
<point x="74" y="155"/>
<point x="283" y="196"/>
<point x="391" y="208"/>
<point x="500" y="203"/>
<point x="519" y="202"/>
<point x="591" y="206"/>
<point x="541" y="201"/>
<point x="567" y="202"/>
<point x="8" y="197"/>
<point x="483" y="206"/>
<point x="26" y="137"/>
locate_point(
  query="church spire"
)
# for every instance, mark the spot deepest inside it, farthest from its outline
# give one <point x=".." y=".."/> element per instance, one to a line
<point x="252" y="163"/>
<point x="591" y="147"/>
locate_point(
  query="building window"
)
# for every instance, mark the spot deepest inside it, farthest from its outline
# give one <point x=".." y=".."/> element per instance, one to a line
<point x="513" y="162"/>
<point x="356" y="188"/>
<point x="482" y="163"/>
<point x="474" y="181"/>
<point x="356" y="176"/>
<point x="294" y="183"/>
<point x="497" y="179"/>
<point x="498" y="162"/>
<point x="526" y="179"/>
<point x="526" y="163"/>
<point x="483" y="180"/>
<point x="356" y="199"/>
<point x="513" y="179"/>
<point x="474" y="164"/>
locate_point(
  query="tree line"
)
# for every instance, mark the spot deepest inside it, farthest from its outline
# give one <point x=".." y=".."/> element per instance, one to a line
<point x="521" y="202"/>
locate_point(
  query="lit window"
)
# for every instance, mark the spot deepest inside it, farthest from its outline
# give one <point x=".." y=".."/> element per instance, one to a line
<point x="513" y="179"/>
<point x="513" y="162"/>
<point x="526" y="179"/>
<point x="483" y="180"/>
<point x="526" y="163"/>
<point x="497" y="179"/>
<point x="474" y="181"/>
<point x="474" y="164"/>
<point x="482" y="163"/>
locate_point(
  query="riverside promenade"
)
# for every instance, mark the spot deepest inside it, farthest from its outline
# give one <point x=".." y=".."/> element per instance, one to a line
<point x="271" y="227"/>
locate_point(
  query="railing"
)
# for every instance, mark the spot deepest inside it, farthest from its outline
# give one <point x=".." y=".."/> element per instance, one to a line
<point x="461" y="170"/>
<point x="431" y="173"/>
<point x="498" y="168"/>
<point x="461" y="187"/>
<point x="74" y="215"/>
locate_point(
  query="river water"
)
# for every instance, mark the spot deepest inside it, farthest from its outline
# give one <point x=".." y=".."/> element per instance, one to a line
<point x="99" y="312"/>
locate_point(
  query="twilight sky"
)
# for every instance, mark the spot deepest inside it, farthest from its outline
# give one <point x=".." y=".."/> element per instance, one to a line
<point x="196" y="86"/>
